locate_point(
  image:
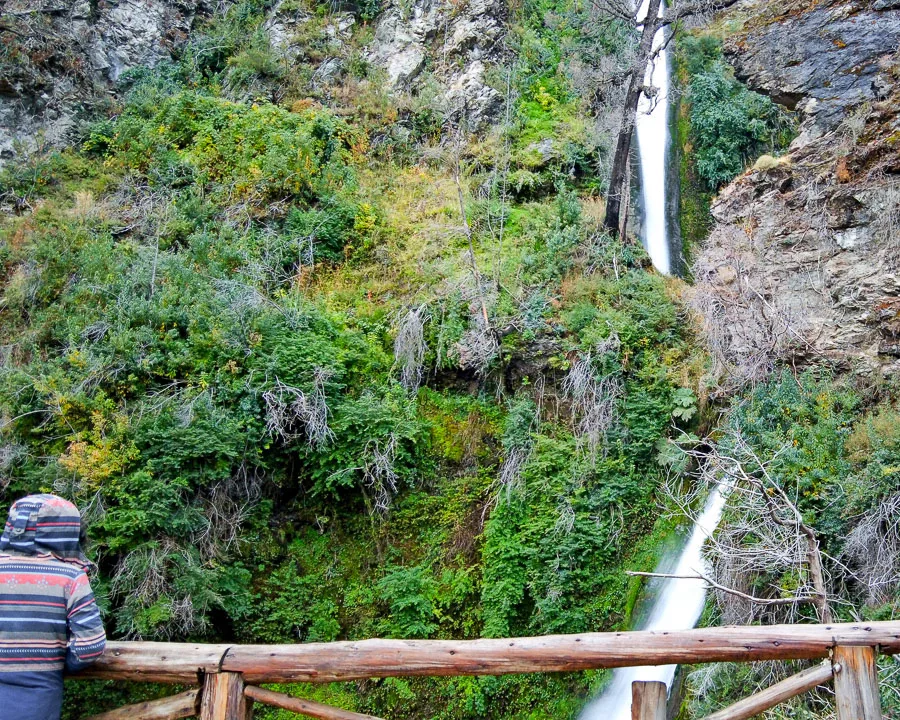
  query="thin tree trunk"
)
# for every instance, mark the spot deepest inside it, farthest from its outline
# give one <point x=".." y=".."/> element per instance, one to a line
<point x="629" y="115"/>
<point x="476" y="274"/>
<point x="817" y="574"/>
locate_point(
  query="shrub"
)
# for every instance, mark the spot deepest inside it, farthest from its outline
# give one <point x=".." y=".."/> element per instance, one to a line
<point x="255" y="154"/>
<point x="730" y="125"/>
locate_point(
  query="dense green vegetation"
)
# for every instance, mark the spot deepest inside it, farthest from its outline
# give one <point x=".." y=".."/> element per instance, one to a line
<point x="720" y="127"/>
<point x="834" y="445"/>
<point x="320" y="364"/>
<point x="256" y="351"/>
<point x="729" y="124"/>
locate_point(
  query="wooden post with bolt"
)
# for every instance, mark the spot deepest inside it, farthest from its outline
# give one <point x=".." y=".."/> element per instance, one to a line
<point x="224" y="699"/>
<point x="648" y="700"/>
<point x="856" y="685"/>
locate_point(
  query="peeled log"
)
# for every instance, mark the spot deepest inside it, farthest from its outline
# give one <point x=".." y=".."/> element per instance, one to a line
<point x="223" y="698"/>
<point x="648" y="700"/>
<point x="779" y="692"/>
<point x="183" y="705"/>
<point x="330" y="662"/>
<point x="341" y="661"/>
<point x="856" y="686"/>
<point x="155" y="662"/>
<point x="303" y="707"/>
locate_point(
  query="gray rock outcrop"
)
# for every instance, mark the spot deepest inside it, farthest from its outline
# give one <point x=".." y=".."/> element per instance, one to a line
<point x="803" y="262"/>
<point x="456" y="43"/>
<point x="819" y="58"/>
<point x="62" y="57"/>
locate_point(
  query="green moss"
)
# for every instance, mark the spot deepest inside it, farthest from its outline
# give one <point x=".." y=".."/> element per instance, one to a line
<point x="694" y="217"/>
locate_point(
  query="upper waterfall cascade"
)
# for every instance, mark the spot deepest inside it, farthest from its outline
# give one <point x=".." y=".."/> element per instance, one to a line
<point x="652" y="127"/>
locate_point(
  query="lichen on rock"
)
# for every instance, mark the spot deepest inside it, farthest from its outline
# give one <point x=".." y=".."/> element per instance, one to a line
<point x="62" y="58"/>
<point x="454" y="42"/>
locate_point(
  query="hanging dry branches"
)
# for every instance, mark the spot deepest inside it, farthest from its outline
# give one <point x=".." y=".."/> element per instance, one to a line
<point x="291" y="413"/>
<point x="227" y="505"/>
<point x="379" y="474"/>
<point x="594" y="400"/>
<point x="873" y="550"/>
<point x="762" y="540"/>
<point x="410" y="348"/>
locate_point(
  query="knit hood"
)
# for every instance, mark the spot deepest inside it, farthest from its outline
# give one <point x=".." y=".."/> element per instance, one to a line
<point x="44" y="524"/>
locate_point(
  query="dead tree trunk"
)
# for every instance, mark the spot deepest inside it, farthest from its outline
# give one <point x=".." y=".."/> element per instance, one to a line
<point x="817" y="574"/>
<point x="629" y="115"/>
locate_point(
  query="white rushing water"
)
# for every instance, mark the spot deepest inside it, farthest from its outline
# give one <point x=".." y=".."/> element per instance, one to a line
<point x="677" y="606"/>
<point x="652" y="127"/>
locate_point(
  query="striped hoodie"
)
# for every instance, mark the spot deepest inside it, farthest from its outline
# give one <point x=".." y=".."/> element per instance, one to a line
<point x="49" y="619"/>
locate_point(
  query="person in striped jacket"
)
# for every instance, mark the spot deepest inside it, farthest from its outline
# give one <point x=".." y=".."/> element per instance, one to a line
<point x="49" y="620"/>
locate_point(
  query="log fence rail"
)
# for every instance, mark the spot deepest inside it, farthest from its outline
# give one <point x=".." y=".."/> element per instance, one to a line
<point x="229" y="675"/>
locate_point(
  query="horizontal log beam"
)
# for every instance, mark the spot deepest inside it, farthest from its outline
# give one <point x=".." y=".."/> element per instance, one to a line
<point x="180" y="663"/>
<point x="183" y="705"/>
<point x="342" y="661"/>
<point x="328" y="662"/>
<point x="777" y="693"/>
<point x="301" y="706"/>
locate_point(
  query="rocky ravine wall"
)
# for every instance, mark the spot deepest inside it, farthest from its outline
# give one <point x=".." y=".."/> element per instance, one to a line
<point x="61" y="58"/>
<point x="803" y="262"/>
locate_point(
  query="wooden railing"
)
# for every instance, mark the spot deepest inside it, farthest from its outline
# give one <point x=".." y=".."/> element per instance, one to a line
<point x="227" y="676"/>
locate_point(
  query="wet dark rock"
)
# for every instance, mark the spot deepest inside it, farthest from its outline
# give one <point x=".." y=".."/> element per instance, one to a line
<point x="803" y="261"/>
<point x="821" y="61"/>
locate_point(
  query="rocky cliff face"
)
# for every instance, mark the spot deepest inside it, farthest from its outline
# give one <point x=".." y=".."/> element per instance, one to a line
<point x="457" y="41"/>
<point x="62" y="57"/>
<point x="803" y="262"/>
<point x="820" y="58"/>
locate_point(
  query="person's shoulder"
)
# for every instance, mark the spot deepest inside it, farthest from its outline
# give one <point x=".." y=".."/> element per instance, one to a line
<point x="40" y="563"/>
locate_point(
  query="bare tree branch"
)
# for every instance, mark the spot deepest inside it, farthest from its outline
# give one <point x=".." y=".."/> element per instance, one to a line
<point x="731" y="591"/>
<point x="763" y="533"/>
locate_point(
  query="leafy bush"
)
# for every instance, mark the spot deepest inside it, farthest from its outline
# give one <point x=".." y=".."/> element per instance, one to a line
<point x="409" y="592"/>
<point x="730" y="125"/>
<point x="245" y="153"/>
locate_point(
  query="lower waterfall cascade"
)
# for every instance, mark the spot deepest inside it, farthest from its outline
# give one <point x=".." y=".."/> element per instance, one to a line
<point x="677" y="605"/>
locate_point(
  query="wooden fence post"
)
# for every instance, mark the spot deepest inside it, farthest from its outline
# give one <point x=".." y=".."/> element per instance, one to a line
<point x="223" y="698"/>
<point x="648" y="700"/>
<point x="856" y="685"/>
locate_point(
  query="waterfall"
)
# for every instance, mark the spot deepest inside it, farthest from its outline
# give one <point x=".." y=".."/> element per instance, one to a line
<point x="677" y="605"/>
<point x="652" y="127"/>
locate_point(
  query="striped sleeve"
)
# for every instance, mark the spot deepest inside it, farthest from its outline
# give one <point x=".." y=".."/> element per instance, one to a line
<point x="86" y="637"/>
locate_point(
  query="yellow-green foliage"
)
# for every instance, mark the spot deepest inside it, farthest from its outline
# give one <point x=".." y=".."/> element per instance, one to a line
<point x="251" y="154"/>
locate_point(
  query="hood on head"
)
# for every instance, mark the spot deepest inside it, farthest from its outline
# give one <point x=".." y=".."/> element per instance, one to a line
<point x="40" y="524"/>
